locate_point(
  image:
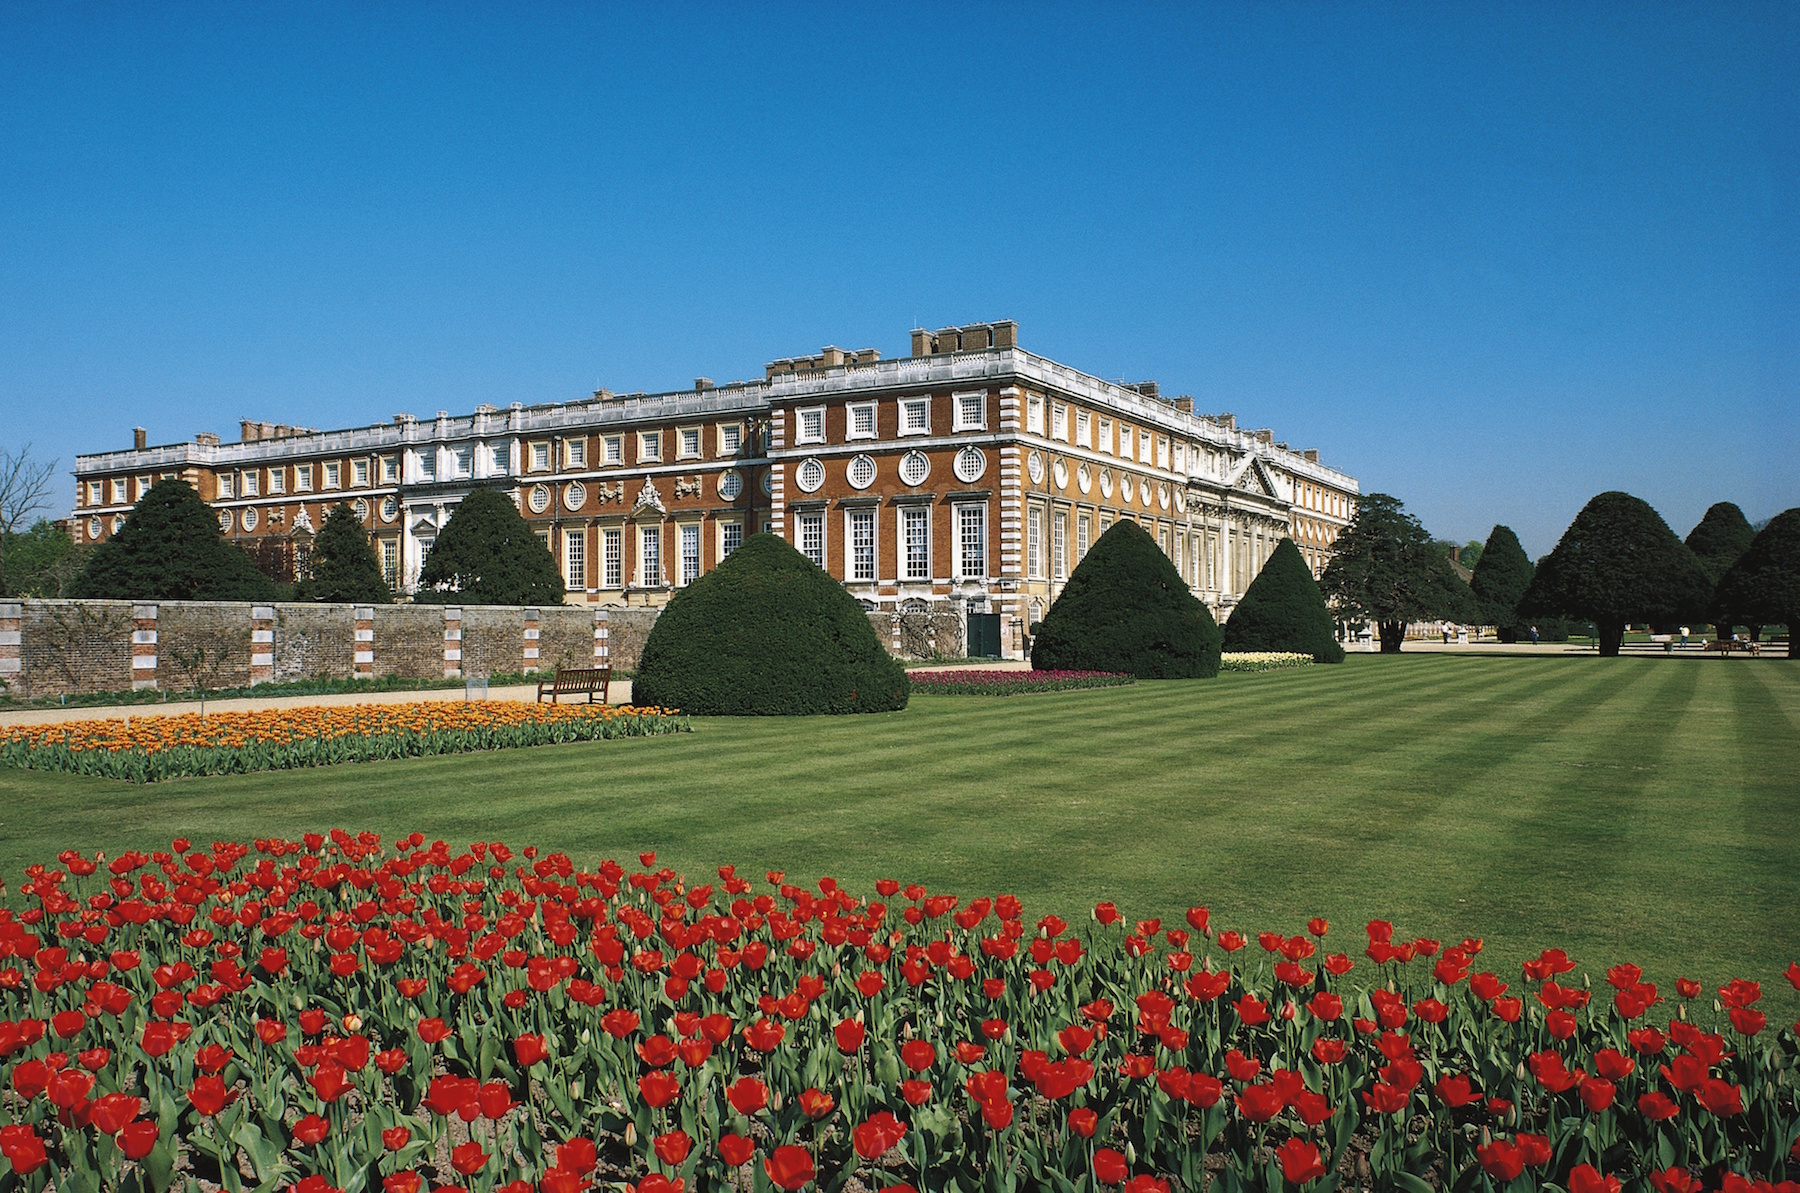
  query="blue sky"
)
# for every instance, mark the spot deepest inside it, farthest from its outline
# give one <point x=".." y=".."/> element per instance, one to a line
<point x="1493" y="259"/>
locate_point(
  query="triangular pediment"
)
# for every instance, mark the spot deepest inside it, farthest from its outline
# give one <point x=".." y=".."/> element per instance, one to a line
<point x="1254" y="478"/>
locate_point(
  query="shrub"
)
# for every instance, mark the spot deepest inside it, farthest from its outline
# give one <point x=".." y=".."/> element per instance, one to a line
<point x="1763" y="587"/>
<point x="1263" y="660"/>
<point x="344" y="567"/>
<point x="1720" y="539"/>
<point x="767" y="633"/>
<point x="1284" y="611"/>
<point x="487" y="554"/>
<point x="171" y="549"/>
<point x="1126" y="608"/>
<point x="1501" y="578"/>
<point x="1011" y="683"/>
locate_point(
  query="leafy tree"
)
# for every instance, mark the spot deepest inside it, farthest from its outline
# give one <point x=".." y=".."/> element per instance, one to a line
<point x="1283" y="610"/>
<point x="344" y="567"/>
<point x="41" y="562"/>
<point x="171" y="549"/>
<point x="1126" y="608"/>
<point x="1501" y="577"/>
<point x="486" y="554"/>
<point x="767" y="633"/>
<point x="1763" y="586"/>
<point x="1617" y="562"/>
<point x="1471" y="553"/>
<point x="1386" y="570"/>
<point x="1720" y="539"/>
<point x="24" y="490"/>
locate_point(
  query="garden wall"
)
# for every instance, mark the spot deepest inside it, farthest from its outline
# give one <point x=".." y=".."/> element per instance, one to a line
<point x="55" y="647"/>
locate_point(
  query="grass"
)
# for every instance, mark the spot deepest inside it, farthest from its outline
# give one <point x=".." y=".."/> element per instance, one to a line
<point x="1626" y="809"/>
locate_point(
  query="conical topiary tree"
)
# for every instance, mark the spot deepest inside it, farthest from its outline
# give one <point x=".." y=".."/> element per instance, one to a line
<point x="1283" y="610"/>
<point x="1617" y="562"/>
<point x="1720" y="539"/>
<point x="487" y="554"/>
<point x="767" y="633"/>
<point x="344" y="567"/>
<point x="1126" y="608"/>
<point x="1502" y="574"/>
<point x="171" y="549"/>
<point x="1763" y="586"/>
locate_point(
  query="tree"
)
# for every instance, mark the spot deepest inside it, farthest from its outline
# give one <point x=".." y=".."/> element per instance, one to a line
<point x="24" y="490"/>
<point x="1471" y="553"/>
<point x="1384" y="569"/>
<point x="1283" y="610"/>
<point x="1763" y="586"/>
<point x="171" y="549"/>
<point x="41" y="562"/>
<point x="487" y="554"/>
<point x="767" y="633"/>
<point x="1126" y="608"/>
<point x="344" y="567"/>
<point x="1617" y="562"/>
<point x="1501" y="576"/>
<point x="1720" y="539"/>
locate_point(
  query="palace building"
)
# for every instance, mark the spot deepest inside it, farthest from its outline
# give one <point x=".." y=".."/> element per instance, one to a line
<point x="971" y="471"/>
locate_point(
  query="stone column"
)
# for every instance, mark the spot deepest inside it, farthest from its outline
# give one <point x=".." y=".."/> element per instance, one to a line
<point x="143" y="647"/>
<point x="12" y="625"/>
<point x="364" y="663"/>
<point x="531" y="641"/>
<point x="262" y="644"/>
<point x="452" y="643"/>
<point x="602" y="639"/>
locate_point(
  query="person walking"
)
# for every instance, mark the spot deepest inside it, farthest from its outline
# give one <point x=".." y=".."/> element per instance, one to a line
<point x="1534" y="635"/>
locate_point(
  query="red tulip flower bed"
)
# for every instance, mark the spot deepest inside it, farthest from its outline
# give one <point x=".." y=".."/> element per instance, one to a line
<point x="340" y="1014"/>
<point x="1011" y="683"/>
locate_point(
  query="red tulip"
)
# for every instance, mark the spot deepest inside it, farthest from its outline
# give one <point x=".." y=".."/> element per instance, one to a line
<point x="1109" y="1166"/>
<point x="1500" y="1160"/>
<point x="1674" y="1180"/>
<point x="1260" y="1103"/>
<point x="111" y="1113"/>
<point x="1585" y="1178"/>
<point x="849" y="1035"/>
<point x="311" y="1130"/>
<point x="672" y="1148"/>
<point x="1657" y="1106"/>
<point x="1721" y="1098"/>
<point x="136" y="1139"/>
<point x="1301" y="1161"/>
<point x="816" y="1103"/>
<point x="619" y="1023"/>
<point x="736" y="1149"/>
<point x="468" y="1158"/>
<point x="530" y="1050"/>
<point x="208" y="1095"/>
<point x="658" y="1088"/>
<point x="1084" y="1121"/>
<point x="1456" y="1091"/>
<point x="879" y="1135"/>
<point x="789" y="1167"/>
<point x="395" y="1138"/>
<point x="747" y="1095"/>
<point x="1597" y="1094"/>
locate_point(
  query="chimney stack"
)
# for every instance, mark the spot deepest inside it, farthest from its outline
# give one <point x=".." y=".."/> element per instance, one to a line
<point x="921" y="342"/>
<point x="1006" y="333"/>
<point x="207" y="439"/>
<point x="140" y="438"/>
<point x="702" y="384"/>
<point x="947" y="339"/>
<point x="1266" y="435"/>
<point x="249" y="431"/>
<point x="1311" y="454"/>
<point x="976" y="337"/>
<point x="1228" y="421"/>
<point x="1185" y="404"/>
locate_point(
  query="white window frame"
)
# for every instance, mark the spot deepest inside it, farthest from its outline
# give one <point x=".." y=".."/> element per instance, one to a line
<point x="684" y="436"/>
<point x="359" y="474"/>
<point x="390" y="560"/>
<point x="499" y="459"/>
<point x="612" y="450"/>
<point x="95" y="491"/>
<point x="540" y="456"/>
<point x="649" y="569"/>
<point x="425" y="464"/>
<point x="911" y="407"/>
<point x="726" y="546"/>
<point x="965" y="568"/>
<point x="248" y="486"/>
<point x="809" y="425"/>
<point x="1059" y="421"/>
<point x="1144" y="440"/>
<point x="906" y="520"/>
<point x="303" y="477"/>
<point x="1059" y="543"/>
<point x="857" y="410"/>
<point x="462" y="461"/>
<point x="963" y="405"/>
<point x="860" y="557"/>
<point x="575" y="559"/>
<point x="143" y="486"/>
<point x="1162" y="452"/>
<point x="1034" y="415"/>
<point x="1106" y="435"/>
<point x="612" y="557"/>
<point x="1084" y="535"/>
<point x="390" y="470"/>
<point x="690" y="560"/>
<point x="1034" y="542"/>
<point x="1084" y="429"/>
<point x="731" y="438"/>
<point x="806" y="525"/>
<point x="334" y="475"/>
<point x="1127" y="445"/>
<point x="227" y="487"/>
<point x="575" y="452"/>
<point x="650" y="446"/>
<point x="277" y="481"/>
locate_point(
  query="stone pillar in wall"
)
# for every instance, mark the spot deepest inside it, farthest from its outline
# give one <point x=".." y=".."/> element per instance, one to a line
<point x="363" y="665"/>
<point x="262" y="644"/>
<point x="12" y="626"/>
<point x="452" y="643"/>
<point x="531" y="641"/>
<point x="143" y="646"/>
<point x="602" y="639"/>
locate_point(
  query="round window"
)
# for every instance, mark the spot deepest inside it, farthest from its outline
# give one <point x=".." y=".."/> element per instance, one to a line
<point x="225" y="522"/>
<point x="861" y="472"/>
<point x="94" y="526"/>
<point x="1162" y="496"/>
<point x="1034" y="464"/>
<point x="730" y="485"/>
<point x="1181" y="500"/>
<point x="574" y="496"/>
<point x="1106" y="482"/>
<point x="914" y="468"/>
<point x="1061" y="472"/>
<point x="390" y="509"/>
<point x="768" y="483"/>
<point x="249" y="520"/>
<point x="539" y="499"/>
<point x="809" y="476"/>
<point x="362" y="508"/>
<point x="970" y="464"/>
<point x="1125" y="487"/>
<point x="1084" y="478"/>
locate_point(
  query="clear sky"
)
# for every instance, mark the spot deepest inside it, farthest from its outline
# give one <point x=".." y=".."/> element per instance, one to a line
<point x="1490" y="258"/>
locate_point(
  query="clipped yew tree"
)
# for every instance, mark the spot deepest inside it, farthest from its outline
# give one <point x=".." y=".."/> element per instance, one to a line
<point x="1283" y="610"/>
<point x="1763" y="586"/>
<point x="1502" y="575"/>
<point x="767" y="633"/>
<point x="1720" y="539"/>
<point x="487" y="554"/>
<point x="1617" y="562"/>
<point x="1126" y="608"/>
<point x="171" y="549"/>
<point x="344" y="567"/>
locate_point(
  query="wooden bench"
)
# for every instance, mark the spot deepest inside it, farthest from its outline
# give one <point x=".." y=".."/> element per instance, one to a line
<point x="572" y="681"/>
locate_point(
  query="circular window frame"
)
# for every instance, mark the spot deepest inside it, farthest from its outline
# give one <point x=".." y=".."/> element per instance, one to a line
<point x="361" y="509"/>
<point x="809" y="466"/>
<point x="1084" y="478"/>
<point x="1106" y="483"/>
<point x="227" y="523"/>
<point x="1034" y="467"/>
<point x="574" y="496"/>
<point x="730" y="485"/>
<point x="970" y="465"/>
<point x="538" y="499"/>
<point x="1162" y="495"/>
<point x="915" y="461"/>
<point x="390" y="508"/>
<point x="861" y="461"/>
<point x="1127" y="488"/>
<point x="250" y="519"/>
<point x="1059" y="471"/>
<point x="1180" y="500"/>
<point x="96" y="528"/>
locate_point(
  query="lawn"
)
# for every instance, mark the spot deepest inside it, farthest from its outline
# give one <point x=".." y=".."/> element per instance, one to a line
<point x="1625" y="809"/>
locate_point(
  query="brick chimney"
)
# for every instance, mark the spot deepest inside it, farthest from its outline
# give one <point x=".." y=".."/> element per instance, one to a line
<point x="976" y="336"/>
<point x="1266" y="435"/>
<point x="948" y="339"/>
<point x="249" y="431"/>
<point x="921" y="342"/>
<point x="1311" y="454"/>
<point x="207" y="439"/>
<point x="1228" y="421"/>
<point x="140" y="438"/>
<point x="702" y="384"/>
<point x="1006" y="333"/>
<point x="1185" y="404"/>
